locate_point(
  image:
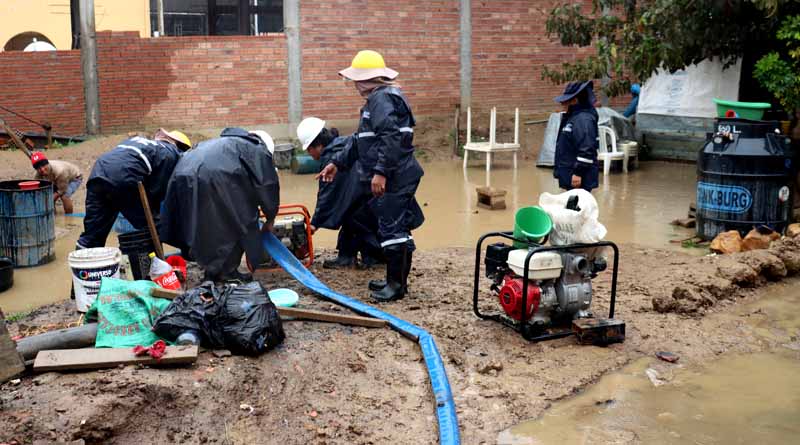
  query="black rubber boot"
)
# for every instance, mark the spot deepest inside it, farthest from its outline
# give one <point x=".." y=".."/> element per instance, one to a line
<point x="395" y="271"/>
<point x="340" y="262"/>
<point x="376" y="285"/>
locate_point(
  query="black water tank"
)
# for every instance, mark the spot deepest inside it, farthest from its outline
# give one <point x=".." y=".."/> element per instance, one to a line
<point x="745" y="176"/>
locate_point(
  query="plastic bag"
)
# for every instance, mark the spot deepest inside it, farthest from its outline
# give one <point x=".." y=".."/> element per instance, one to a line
<point x="569" y="226"/>
<point x="125" y="311"/>
<point x="240" y="318"/>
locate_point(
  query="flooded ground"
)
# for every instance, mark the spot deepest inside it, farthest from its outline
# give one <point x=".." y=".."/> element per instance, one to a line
<point x="736" y="399"/>
<point x="635" y="207"/>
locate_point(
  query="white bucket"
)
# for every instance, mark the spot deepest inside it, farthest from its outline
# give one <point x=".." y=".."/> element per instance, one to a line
<point x="88" y="267"/>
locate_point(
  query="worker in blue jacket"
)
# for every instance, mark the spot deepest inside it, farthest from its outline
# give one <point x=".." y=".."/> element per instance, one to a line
<point x="112" y="186"/>
<point x="341" y="204"/>
<point x="384" y="148"/>
<point x="576" y="163"/>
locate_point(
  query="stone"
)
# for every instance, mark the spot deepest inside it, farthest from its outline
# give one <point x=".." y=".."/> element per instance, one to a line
<point x="755" y="240"/>
<point x="793" y="231"/>
<point x="727" y="242"/>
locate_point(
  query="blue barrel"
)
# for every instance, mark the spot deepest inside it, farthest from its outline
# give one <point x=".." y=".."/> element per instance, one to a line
<point x="27" y="223"/>
<point x="745" y="176"/>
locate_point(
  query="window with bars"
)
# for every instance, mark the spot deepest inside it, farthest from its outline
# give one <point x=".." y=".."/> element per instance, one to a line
<point x="218" y="17"/>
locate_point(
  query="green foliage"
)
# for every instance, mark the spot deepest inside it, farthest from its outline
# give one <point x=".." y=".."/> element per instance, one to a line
<point x="781" y="75"/>
<point x="634" y="38"/>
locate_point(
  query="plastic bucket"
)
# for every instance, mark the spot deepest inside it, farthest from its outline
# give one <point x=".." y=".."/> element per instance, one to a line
<point x="88" y="267"/>
<point x="137" y="245"/>
<point x="305" y="164"/>
<point x="743" y="110"/>
<point x="283" y="297"/>
<point x="282" y="157"/>
<point x="532" y="224"/>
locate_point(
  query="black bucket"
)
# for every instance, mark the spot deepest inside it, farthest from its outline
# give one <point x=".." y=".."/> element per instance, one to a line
<point x="6" y="273"/>
<point x="137" y="245"/>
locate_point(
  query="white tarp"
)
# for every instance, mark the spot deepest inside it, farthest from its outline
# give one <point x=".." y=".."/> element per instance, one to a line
<point x="690" y="92"/>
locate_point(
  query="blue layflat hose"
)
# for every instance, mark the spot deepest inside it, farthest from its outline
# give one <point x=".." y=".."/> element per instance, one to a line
<point x="445" y="407"/>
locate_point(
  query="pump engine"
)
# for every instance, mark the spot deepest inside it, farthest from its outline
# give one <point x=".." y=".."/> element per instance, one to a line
<point x="559" y="286"/>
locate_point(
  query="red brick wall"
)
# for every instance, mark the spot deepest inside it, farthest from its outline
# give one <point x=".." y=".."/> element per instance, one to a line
<point x="509" y="49"/>
<point x="418" y="39"/>
<point x="200" y="82"/>
<point x="46" y="87"/>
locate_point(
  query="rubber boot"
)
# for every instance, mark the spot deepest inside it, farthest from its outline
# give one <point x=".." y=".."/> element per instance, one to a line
<point x="395" y="271"/>
<point x="376" y="285"/>
<point x="340" y="262"/>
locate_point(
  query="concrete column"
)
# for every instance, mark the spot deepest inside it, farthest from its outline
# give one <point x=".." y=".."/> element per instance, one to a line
<point x="294" y="50"/>
<point x="465" y="13"/>
<point x="160" y="8"/>
<point x="91" y="89"/>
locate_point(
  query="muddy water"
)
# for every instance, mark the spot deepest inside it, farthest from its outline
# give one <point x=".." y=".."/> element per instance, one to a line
<point x="37" y="286"/>
<point x="737" y="399"/>
<point x="636" y="207"/>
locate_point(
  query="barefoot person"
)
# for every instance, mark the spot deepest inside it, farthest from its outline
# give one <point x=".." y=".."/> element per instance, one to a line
<point x="66" y="178"/>
<point x="341" y="204"/>
<point x="384" y="147"/>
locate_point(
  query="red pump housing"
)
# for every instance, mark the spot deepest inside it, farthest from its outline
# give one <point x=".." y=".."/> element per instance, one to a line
<point x="510" y="297"/>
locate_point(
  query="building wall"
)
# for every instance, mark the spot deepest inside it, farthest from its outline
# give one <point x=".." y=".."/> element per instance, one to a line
<point x="418" y="39"/>
<point x="212" y="82"/>
<point x="52" y="18"/>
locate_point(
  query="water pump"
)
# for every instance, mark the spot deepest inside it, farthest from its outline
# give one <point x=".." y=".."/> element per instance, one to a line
<point x="543" y="288"/>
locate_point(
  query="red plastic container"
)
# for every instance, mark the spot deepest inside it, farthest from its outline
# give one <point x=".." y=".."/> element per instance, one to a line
<point x="29" y="185"/>
<point x="178" y="263"/>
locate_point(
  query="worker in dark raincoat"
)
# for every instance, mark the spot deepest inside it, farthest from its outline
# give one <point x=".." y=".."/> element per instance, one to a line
<point x="385" y="151"/>
<point x="213" y="200"/>
<point x="112" y="186"/>
<point x="341" y="204"/>
<point x="576" y="163"/>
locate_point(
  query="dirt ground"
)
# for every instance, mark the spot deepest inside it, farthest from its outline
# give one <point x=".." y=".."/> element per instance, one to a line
<point x="347" y="385"/>
<point x="334" y="384"/>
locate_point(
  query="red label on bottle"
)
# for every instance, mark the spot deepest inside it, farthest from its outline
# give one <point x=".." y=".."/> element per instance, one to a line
<point x="168" y="281"/>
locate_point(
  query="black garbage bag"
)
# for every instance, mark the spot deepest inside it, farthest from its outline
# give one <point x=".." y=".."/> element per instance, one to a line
<point x="240" y="318"/>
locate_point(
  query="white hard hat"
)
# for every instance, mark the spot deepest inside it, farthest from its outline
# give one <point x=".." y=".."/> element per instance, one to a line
<point x="264" y="136"/>
<point x="308" y="130"/>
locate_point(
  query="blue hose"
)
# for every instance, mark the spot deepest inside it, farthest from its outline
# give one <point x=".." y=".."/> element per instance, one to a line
<point x="445" y="407"/>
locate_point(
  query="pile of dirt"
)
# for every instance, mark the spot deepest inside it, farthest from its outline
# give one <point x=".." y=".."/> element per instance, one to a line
<point x="347" y="385"/>
<point x="726" y="277"/>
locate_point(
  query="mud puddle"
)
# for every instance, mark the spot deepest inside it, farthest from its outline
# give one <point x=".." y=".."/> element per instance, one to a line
<point x="636" y="207"/>
<point x="737" y="399"/>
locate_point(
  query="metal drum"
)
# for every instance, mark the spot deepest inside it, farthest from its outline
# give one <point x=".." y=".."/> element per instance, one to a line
<point x="27" y="223"/>
<point x="745" y="175"/>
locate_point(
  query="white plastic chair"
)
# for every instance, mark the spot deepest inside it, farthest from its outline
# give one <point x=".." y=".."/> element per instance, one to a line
<point x="492" y="146"/>
<point x="608" y="151"/>
<point x="631" y="150"/>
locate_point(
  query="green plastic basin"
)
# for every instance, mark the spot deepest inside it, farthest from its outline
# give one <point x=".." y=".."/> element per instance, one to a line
<point x="532" y="224"/>
<point x="745" y="110"/>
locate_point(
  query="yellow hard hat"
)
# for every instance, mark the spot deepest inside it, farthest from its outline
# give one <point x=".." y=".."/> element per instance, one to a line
<point x="179" y="137"/>
<point x="367" y="65"/>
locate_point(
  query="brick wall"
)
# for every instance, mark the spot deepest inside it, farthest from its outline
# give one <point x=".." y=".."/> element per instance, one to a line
<point x="418" y="39"/>
<point x="46" y="87"/>
<point x="509" y="49"/>
<point x="200" y="82"/>
<point x="205" y="82"/>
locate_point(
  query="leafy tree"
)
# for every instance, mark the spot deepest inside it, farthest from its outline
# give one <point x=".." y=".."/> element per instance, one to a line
<point x="781" y="74"/>
<point x="634" y="38"/>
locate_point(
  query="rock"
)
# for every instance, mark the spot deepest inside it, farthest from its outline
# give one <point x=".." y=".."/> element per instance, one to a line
<point x="486" y="368"/>
<point x="793" y="230"/>
<point x="727" y="242"/>
<point x="667" y="356"/>
<point x="221" y="353"/>
<point x="689" y="299"/>
<point x="788" y="251"/>
<point x="45" y="379"/>
<point x="664" y="303"/>
<point x="755" y="240"/>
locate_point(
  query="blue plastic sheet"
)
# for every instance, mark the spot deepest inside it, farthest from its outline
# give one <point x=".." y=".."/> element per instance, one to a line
<point x="445" y="407"/>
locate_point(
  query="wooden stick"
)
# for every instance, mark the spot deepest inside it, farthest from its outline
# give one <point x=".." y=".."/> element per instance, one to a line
<point x="96" y="358"/>
<point x="305" y="314"/>
<point x="330" y="317"/>
<point x="150" y="223"/>
<point x="21" y="145"/>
